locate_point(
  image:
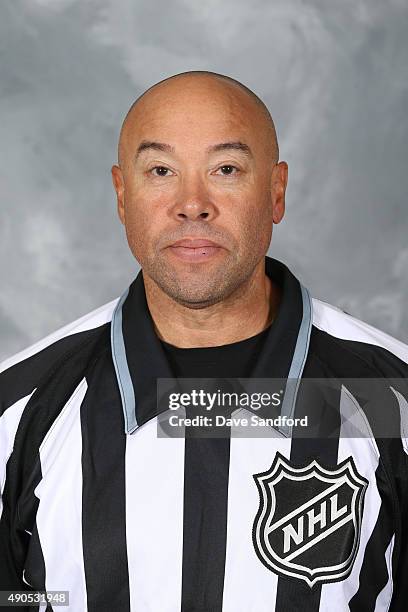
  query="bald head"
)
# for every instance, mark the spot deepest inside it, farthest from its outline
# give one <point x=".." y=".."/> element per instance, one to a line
<point x="207" y="85"/>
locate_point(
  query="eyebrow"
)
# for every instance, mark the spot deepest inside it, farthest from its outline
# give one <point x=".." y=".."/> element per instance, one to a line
<point x="222" y="146"/>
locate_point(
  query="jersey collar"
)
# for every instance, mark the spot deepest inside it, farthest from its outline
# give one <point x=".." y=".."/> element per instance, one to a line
<point x="139" y="358"/>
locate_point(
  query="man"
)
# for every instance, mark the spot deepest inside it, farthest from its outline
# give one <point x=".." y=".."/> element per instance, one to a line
<point x="97" y="501"/>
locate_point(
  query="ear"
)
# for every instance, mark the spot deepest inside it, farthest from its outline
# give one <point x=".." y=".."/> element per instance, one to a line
<point x="119" y="185"/>
<point x="279" y="181"/>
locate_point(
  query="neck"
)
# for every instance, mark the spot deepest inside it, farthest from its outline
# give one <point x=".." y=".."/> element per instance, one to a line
<point x="247" y="312"/>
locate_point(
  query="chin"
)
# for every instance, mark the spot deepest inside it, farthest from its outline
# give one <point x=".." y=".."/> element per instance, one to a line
<point x="198" y="303"/>
<point x="193" y="296"/>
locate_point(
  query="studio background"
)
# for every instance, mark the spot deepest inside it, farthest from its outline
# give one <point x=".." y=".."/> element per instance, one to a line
<point x="334" y="76"/>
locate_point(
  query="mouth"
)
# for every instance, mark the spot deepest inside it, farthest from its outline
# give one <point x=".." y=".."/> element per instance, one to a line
<point x="195" y="249"/>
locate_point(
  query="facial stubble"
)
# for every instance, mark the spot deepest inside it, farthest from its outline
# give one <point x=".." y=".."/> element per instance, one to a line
<point x="200" y="285"/>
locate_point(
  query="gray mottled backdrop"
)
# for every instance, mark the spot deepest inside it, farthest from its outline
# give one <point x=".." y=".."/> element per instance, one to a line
<point x="334" y="75"/>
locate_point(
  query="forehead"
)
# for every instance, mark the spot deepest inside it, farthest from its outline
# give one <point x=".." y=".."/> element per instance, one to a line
<point x="196" y="112"/>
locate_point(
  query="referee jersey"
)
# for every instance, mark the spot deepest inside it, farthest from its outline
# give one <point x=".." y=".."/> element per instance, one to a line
<point x="95" y="503"/>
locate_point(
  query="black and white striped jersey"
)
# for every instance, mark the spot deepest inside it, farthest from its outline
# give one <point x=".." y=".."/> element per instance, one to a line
<point x="94" y="502"/>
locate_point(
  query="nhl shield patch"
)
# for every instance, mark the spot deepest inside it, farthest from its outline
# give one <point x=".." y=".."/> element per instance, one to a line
<point x="309" y="519"/>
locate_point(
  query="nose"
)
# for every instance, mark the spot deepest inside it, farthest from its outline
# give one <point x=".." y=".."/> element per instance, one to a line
<point x="194" y="201"/>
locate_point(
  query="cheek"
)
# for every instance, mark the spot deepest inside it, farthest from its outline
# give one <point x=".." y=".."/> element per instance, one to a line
<point x="138" y="225"/>
<point x="257" y="219"/>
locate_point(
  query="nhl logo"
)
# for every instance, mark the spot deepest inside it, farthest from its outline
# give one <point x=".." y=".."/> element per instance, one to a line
<point x="309" y="519"/>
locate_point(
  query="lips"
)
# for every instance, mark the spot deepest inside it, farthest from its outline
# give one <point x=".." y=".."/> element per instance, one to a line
<point x="195" y="250"/>
<point x="194" y="243"/>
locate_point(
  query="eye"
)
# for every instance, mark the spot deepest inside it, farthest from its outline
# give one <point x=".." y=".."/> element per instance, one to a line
<point x="161" y="171"/>
<point x="228" y="170"/>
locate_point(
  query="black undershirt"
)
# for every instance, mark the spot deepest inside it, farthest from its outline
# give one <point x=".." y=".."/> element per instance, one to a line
<point x="235" y="360"/>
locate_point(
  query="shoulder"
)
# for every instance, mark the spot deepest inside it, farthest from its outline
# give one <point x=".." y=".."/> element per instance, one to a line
<point x="24" y="371"/>
<point x="347" y="334"/>
<point x="355" y="351"/>
<point x="35" y="384"/>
